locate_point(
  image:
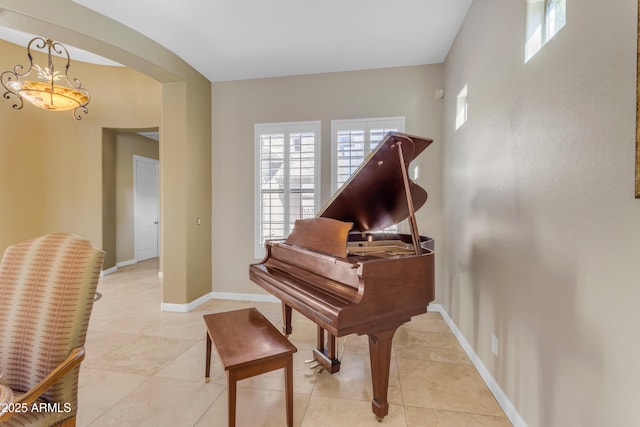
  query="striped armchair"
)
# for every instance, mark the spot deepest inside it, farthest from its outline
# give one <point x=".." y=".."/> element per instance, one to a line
<point x="47" y="288"/>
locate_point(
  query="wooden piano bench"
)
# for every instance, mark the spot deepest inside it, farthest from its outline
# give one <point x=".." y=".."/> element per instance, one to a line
<point x="248" y="345"/>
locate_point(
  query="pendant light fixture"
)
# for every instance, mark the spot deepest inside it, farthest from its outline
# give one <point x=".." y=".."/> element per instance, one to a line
<point x="45" y="86"/>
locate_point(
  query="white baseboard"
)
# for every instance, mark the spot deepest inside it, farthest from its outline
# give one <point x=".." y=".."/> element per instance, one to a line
<point x="109" y="271"/>
<point x="117" y="266"/>
<point x="507" y="406"/>
<point x="125" y="263"/>
<point x="184" y="308"/>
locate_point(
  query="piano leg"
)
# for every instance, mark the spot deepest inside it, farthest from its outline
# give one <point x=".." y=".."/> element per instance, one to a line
<point x="331" y="349"/>
<point x="380" y="357"/>
<point x="286" y="319"/>
<point x="320" y="340"/>
<point x="326" y="356"/>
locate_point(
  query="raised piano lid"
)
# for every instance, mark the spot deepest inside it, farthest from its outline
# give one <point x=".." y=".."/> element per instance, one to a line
<point x="374" y="196"/>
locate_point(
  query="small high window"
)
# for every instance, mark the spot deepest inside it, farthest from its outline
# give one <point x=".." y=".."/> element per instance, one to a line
<point x="544" y="18"/>
<point x="461" y="107"/>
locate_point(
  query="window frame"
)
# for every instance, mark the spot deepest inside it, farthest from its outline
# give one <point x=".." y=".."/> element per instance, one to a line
<point x="537" y="21"/>
<point x="548" y="34"/>
<point x="462" y="107"/>
<point x="287" y="129"/>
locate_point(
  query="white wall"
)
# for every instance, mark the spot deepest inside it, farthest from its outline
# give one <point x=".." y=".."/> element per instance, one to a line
<point x="237" y="106"/>
<point x="542" y="231"/>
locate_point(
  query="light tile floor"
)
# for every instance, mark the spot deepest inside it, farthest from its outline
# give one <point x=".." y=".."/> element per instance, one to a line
<point x="145" y="367"/>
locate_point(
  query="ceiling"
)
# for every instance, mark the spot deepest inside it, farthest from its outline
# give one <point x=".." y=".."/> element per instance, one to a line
<point x="22" y="39"/>
<point x="245" y="39"/>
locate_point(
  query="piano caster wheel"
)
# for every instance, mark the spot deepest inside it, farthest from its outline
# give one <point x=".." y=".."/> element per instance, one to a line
<point x="378" y="419"/>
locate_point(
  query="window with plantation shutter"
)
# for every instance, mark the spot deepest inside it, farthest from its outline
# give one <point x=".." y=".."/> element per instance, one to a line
<point x="287" y="177"/>
<point x="353" y="140"/>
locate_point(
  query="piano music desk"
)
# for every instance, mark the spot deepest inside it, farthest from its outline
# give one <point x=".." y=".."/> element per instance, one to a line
<point x="248" y="345"/>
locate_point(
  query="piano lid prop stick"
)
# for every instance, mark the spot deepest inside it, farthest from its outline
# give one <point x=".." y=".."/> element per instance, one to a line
<point x="412" y="213"/>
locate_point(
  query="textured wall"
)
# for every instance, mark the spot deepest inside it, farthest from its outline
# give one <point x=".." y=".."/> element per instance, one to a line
<point x="542" y="230"/>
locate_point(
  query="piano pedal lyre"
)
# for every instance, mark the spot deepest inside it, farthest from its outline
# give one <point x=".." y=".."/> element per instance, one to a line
<point x="313" y="365"/>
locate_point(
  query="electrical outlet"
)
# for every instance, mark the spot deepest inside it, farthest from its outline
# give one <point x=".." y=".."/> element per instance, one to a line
<point x="494" y="345"/>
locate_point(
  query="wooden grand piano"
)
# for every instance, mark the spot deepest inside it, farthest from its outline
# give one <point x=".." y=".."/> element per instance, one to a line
<point x="346" y="279"/>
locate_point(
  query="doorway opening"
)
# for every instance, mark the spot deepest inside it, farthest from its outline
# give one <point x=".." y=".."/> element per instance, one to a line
<point x="146" y="207"/>
<point x="131" y="196"/>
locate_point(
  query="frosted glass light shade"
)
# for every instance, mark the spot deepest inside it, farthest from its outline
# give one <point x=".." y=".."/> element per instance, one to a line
<point x="49" y="97"/>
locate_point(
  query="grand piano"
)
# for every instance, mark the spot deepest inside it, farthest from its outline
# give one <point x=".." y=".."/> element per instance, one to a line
<point x="339" y="271"/>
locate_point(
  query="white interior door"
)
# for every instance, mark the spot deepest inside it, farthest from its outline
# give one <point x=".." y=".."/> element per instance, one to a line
<point x="146" y="207"/>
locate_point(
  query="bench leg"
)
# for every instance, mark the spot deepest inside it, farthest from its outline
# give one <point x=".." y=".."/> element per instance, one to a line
<point x="288" y="387"/>
<point x="207" y="368"/>
<point x="233" y="378"/>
